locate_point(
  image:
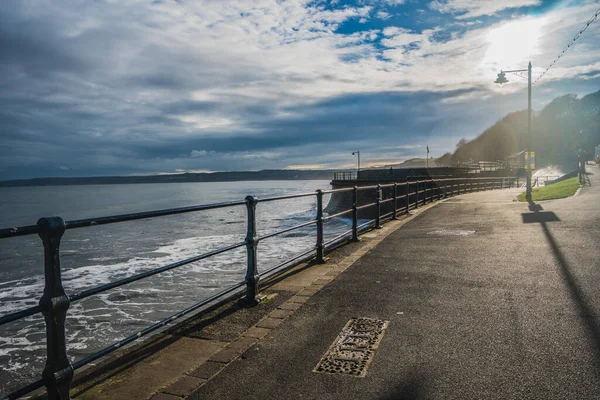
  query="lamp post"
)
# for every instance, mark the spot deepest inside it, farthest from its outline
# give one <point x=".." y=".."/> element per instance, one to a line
<point x="357" y="153"/>
<point x="501" y="80"/>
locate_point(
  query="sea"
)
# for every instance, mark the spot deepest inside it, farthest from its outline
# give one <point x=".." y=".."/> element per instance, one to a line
<point x="101" y="254"/>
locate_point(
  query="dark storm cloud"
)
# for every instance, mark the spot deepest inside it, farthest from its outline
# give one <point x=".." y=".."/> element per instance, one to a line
<point x="159" y="80"/>
<point x="392" y="117"/>
<point x="33" y="49"/>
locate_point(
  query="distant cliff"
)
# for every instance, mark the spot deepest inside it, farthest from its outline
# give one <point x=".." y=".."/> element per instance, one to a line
<point x="231" y="176"/>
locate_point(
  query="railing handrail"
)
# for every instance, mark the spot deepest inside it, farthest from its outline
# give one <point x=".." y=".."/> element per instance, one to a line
<point x="87" y="222"/>
<point x="54" y="303"/>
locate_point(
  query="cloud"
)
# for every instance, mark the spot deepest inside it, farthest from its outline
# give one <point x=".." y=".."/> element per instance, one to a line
<point x="404" y="37"/>
<point x="137" y="87"/>
<point x="476" y="8"/>
<point x="307" y="166"/>
<point x="198" y="153"/>
<point x="383" y="15"/>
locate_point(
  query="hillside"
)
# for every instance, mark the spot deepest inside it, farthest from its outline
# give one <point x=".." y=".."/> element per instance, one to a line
<point x="564" y="126"/>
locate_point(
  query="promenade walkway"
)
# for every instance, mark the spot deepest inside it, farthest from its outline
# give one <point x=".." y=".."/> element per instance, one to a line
<point x="485" y="298"/>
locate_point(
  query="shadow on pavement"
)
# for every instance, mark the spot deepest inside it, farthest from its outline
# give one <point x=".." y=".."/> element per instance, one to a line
<point x="586" y="312"/>
<point x="413" y="388"/>
<point x="538" y="215"/>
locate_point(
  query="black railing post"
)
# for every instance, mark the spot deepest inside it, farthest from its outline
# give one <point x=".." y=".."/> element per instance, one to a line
<point x="427" y="187"/>
<point x="431" y="186"/>
<point x="58" y="372"/>
<point x="417" y="194"/>
<point x="378" y="207"/>
<point x="407" y="192"/>
<point x="252" y="276"/>
<point x="432" y="190"/>
<point x="320" y="259"/>
<point x="394" y="217"/>
<point x="354" y="214"/>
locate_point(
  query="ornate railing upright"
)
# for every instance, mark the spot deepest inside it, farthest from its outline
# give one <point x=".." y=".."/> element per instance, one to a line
<point x="54" y="302"/>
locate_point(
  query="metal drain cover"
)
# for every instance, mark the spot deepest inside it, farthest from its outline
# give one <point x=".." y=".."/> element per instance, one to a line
<point x="353" y="350"/>
<point x="451" y="232"/>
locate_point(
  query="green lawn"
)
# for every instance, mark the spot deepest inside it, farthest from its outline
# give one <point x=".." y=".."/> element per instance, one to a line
<point x="566" y="188"/>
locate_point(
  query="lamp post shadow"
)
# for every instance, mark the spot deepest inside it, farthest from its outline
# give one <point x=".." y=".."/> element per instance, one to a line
<point x="586" y="311"/>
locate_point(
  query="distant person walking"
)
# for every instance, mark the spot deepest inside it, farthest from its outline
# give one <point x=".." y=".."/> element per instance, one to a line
<point x="581" y="166"/>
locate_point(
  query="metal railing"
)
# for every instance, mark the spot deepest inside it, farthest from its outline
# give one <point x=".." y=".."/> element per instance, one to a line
<point x="546" y="179"/>
<point x="345" y="176"/>
<point x="54" y="303"/>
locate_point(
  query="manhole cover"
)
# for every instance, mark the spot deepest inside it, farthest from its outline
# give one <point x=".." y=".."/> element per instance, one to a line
<point x="451" y="232"/>
<point x="353" y="350"/>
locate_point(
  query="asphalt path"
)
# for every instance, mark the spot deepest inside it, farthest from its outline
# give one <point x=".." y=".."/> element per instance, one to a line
<point x="486" y="298"/>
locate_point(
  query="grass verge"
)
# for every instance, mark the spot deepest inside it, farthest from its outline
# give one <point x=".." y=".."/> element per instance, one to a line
<point x="559" y="190"/>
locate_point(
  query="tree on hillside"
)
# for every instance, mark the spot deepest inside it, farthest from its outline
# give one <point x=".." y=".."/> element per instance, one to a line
<point x="444" y="160"/>
<point x="495" y="143"/>
<point x="564" y="126"/>
<point x="461" y="143"/>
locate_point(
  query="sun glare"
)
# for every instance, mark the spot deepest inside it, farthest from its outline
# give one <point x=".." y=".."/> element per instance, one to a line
<point x="513" y="44"/>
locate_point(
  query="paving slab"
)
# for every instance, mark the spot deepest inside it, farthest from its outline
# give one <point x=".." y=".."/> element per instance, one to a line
<point x="166" y="361"/>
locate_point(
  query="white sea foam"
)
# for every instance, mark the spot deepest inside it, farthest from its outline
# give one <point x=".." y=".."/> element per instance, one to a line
<point x="553" y="171"/>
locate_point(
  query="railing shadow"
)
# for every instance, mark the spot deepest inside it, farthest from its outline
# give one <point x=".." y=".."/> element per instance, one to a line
<point x="137" y="354"/>
<point x="586" y="312"/>
<point x="120" y="364"/>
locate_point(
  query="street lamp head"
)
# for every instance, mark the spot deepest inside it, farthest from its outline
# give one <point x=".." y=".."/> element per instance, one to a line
<point x="354" y="153"/>
<point x="501" y="80"/>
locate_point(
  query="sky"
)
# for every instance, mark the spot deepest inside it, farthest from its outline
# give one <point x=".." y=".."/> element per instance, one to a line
<point x="126" y="87"/>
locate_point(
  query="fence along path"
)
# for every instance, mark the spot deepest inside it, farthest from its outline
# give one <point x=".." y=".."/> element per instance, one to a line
<point x="54" y="301"/>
